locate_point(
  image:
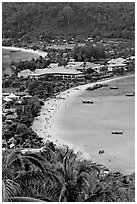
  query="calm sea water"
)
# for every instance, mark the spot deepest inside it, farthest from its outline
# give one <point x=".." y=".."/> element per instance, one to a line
<point x="90" y="126"/>
<point x="8" y="57"/>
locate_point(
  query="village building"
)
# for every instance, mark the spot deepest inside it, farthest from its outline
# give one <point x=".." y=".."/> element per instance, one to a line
<point x="112" y="67"/>
<point x="11" y="116"/>
<point x="81" y="66"/>
<point x="117" y="61"/>
<point x="25" y="73"/>
<point x="8" y="110"/>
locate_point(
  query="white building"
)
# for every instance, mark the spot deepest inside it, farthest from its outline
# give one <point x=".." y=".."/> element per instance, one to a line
<point x="56" y="72"/>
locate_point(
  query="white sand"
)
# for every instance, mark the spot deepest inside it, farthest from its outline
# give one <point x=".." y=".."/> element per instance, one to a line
<point x="44" y="125"/>
<point x="38" y="52"/>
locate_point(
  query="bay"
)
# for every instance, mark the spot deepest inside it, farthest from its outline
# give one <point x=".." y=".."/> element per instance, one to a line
<point x="90" y="126"/>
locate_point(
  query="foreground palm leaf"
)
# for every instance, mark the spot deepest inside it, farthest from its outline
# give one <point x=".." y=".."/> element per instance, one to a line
<point x="25" y="199"/>
<point x="9" y="189"/>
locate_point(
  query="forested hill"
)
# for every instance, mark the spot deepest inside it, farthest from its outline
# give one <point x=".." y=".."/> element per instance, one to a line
<point x="26" y="20"/>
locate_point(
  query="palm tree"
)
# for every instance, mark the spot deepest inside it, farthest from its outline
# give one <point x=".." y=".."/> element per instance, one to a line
<point x="114" y="187"/>
<point x="19" y="171"/>
<point x="74" y="183"/>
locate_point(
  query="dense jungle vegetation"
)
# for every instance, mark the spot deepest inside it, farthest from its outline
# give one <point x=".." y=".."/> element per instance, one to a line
<point x="28" y="21"/>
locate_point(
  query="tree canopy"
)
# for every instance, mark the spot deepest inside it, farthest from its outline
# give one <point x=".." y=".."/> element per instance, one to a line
<point x="107" y="19"/>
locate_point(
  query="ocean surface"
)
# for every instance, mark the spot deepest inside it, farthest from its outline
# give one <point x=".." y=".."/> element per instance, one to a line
<point x="8" y="56"/>
<point x="90" y="126"/>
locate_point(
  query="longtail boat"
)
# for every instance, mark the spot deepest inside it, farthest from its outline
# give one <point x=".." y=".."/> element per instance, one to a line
<point x="130" y="94"/>
<point x="113" y="87"/>
<point x="87" y="102"/>
<point x="117" y="132"/>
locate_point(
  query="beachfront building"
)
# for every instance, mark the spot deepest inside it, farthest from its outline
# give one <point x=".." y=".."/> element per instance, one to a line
<point x="117" y="64"/>
<point x="52" y="71"/>
<point x="112" y="67"/>
<point x="61" y="72"/>
<point x="117" y="61"/>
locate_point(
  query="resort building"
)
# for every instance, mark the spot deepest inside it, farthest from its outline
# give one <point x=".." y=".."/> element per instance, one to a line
<point x="56" y="72"/>
<point x="112" y="67"/>
<point x="117" y="61"/>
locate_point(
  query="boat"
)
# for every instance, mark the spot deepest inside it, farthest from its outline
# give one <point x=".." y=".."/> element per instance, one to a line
<point x="113" y="87"/>
<point x="87" y="102"/>
<point x="101" y="151"/>
<point x="130" y="94"/>
<point x="60" y="97"/>
<point x="12" y="50"/>
<point x="117" y="132"/>
<point x="96" y="86"/>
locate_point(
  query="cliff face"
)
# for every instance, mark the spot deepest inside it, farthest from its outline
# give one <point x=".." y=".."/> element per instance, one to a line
<point x="47" y="19"/>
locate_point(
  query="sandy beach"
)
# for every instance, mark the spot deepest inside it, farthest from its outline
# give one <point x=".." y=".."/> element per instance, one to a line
<point x="46" y="125"/>
<point x="38" y="52"/>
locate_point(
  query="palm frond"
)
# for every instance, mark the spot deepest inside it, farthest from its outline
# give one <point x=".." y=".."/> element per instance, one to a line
<point x="49" y="154"/>
<point x="84" y="175"/>
<point x="95" y="197"/>
<point x="11" y="158"/>
<point x="110" y="197"/>
<point x="26" y="179"/>
<point x="36" y="162"/>
<point x="9" y="189"/>
<point x="34" y="156"/>
<point x="53" y="192"/>
<point x="25" y="199"/>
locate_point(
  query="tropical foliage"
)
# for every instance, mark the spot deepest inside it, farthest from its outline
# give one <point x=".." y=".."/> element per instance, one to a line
<point x="89" y="52"/>
<point x="57" y="174"/>
<point x="50" y="19"/>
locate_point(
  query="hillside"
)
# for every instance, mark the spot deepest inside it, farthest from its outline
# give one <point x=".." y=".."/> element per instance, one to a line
<point x="28" y="21"/>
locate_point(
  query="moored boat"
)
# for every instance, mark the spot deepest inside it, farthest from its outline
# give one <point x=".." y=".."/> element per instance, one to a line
<point x="101" y="151"/>
<point x="130" y="94"/>
<point x="114" y="87"/>
<point x="87" y="102"/>
<point x="117" y="132"/>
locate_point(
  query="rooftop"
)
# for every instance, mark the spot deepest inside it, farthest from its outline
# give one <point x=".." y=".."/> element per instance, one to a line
<point x="58" y="70"/>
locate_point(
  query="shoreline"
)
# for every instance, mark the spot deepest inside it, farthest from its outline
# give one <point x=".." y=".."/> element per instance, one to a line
<point x="38" y="52"/>
<point x="45" y="123"/>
